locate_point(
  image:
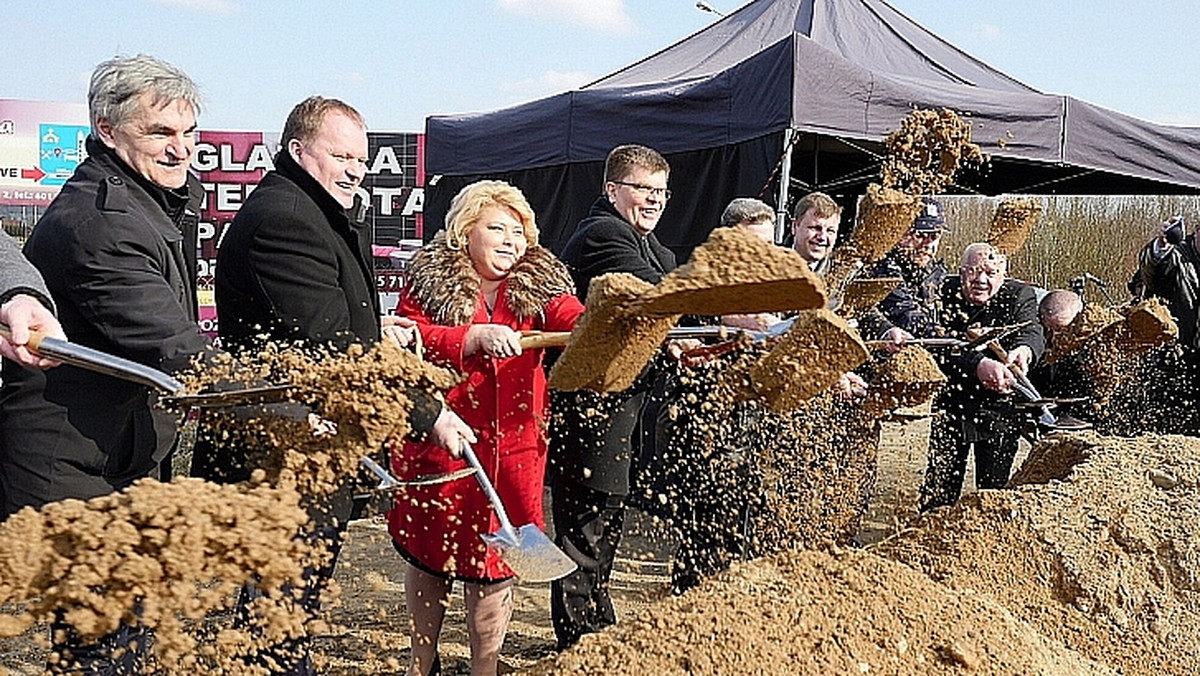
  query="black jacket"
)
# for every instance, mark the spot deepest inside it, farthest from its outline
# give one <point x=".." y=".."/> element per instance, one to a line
<point x="605" y="242"/>
<point x="913" y="304"/>
<point x="1014" y="303"/>
<point x="1176" y="279"/>
<point x="118" y="254"/>
<point x="294" y="266"/>
<point x="601" y="455"/>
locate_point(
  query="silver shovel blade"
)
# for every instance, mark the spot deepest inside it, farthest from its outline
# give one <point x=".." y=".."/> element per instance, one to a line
<point x="530" y="554"/>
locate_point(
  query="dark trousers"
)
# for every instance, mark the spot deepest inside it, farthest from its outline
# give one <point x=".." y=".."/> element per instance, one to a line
<point x="122" y="653"/>
<point x="292" y="657"/>
<point x="994" y="439"/>
<point x="587" y="526"/>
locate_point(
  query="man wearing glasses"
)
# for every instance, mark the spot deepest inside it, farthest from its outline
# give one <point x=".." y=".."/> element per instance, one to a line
<point x="592" y="456"/>
<point x="979" y="414"/>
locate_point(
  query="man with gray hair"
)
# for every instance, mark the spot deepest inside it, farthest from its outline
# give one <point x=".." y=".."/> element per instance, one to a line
<point x="117" y="249"/>
<point x="979" y="415"/>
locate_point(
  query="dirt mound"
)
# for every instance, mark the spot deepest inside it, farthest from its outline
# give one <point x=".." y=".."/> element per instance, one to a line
<point x="735" y="271"/>
<point x="1097" y="547"/>
<point x="816" y="613"/>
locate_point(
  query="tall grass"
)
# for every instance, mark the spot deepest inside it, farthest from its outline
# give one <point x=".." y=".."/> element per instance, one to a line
<point x="1100" y="234"/>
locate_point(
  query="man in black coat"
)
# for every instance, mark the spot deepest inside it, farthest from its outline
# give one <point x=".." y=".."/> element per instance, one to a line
<point x="295" y="267"/>
<point x="592" y="456"/>
<point x="978" y="411"/>
<point x="117" y="249"/>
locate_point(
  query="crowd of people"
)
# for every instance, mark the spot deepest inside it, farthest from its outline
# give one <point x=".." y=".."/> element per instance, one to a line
<point x="112" y="265"/>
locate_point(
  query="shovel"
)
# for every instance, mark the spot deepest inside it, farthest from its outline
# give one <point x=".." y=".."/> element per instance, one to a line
<point x="527" y="550"/>
<point x="1026" y="388"/>
<point x="387" y="482"/>
<point x="119" y="367"/>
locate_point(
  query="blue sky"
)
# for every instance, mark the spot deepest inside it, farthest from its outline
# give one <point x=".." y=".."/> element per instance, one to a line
<point x="398" y="61"/>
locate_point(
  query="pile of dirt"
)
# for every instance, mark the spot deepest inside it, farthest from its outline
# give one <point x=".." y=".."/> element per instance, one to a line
<point x="1090" y="564"/>
<point x="735" y="271"/>
<point x="886" y="215"/>
<point x="1097" y="546"/>
<point x="1014" y="219"/>
<point x="1150" y="324"/>
<point x="157" y="555"/>
<point x="1089" y="323"/>
<point x="927" y="149"/>
<point x="861" y="295"/>
<point x="610" y="345"/>
<point x="818" y="613"/>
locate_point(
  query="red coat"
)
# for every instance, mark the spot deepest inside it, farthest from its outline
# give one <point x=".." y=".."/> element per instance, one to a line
<point x="505" y="401"/>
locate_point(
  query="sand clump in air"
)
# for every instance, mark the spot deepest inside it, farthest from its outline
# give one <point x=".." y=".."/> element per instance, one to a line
<point x="925" y="152"/>
<point x="814" y="353"/>
<point x="1014" y="219"/>
<point x="362" y="392"/>
<point x="610" y="345"/>
<point x="735" y="271"/>
<point x="165" y="556"/>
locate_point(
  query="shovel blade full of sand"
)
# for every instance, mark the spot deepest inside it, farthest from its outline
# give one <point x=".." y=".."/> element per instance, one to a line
<point x="815" y="352"/>
<point x="734" y="272"/>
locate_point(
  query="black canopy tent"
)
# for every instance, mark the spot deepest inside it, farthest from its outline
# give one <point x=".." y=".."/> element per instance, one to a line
<point x="796" y="93"/>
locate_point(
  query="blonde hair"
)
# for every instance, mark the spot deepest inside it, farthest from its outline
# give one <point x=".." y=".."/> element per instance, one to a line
<point x="473" y="199"/>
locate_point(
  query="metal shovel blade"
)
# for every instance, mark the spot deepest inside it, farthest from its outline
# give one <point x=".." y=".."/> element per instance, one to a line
<point x="527" y="551"/>
<point x="530" y="554"/>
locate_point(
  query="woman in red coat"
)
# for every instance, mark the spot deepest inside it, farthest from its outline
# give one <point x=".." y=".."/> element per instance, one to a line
<point x="472" y="290"/>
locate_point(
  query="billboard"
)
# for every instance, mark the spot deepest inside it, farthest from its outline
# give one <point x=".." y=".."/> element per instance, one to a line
<point x="41" y="143"/>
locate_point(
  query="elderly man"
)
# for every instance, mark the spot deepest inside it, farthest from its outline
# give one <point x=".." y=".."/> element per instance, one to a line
<point x="25" y="305"/>
<point x="593" y="457"/>
<point x="117" y="249"/>
<point x="977" y="413"/>
<point x="911" y="309"/>
<point x="814" y="229"/>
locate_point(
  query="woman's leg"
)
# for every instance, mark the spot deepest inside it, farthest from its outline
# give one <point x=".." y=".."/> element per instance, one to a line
<point x="489" y="609"/>
<point x="426" y="596"/>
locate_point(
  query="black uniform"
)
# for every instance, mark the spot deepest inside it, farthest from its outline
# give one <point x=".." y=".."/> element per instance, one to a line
<point x="118" y="254"/>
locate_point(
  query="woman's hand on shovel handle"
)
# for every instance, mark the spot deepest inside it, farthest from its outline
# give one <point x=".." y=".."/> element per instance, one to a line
<point x="400" y="330"/>
<point x="496" y="340"/>
<point x="449" y="430"/>
<point x="23" y="314"/>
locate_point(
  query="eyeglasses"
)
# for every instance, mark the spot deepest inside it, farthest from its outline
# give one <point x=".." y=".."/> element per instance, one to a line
<point x="979" y="271"/>
<point x="646" y="190"/>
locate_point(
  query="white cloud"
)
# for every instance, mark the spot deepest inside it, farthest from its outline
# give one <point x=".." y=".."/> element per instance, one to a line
<point x="989" y="32"/>
<point x="549" y="82"/>
<point x="207" y="6"/>
<point x="605" y="16"/>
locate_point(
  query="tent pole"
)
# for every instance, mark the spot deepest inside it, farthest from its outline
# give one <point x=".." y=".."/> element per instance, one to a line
<point x="785" y="180"/>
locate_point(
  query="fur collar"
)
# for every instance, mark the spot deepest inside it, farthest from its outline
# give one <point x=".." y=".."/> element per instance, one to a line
<point x="445" y="284"/>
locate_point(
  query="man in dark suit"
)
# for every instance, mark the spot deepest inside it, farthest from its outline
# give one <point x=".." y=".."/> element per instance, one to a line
<point x="979" y="414"/>
<point x="593" y="456"/>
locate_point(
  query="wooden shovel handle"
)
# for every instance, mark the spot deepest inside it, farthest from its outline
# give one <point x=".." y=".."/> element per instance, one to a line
<point x="35" y="338"/>
<point x="533" y="340"/>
